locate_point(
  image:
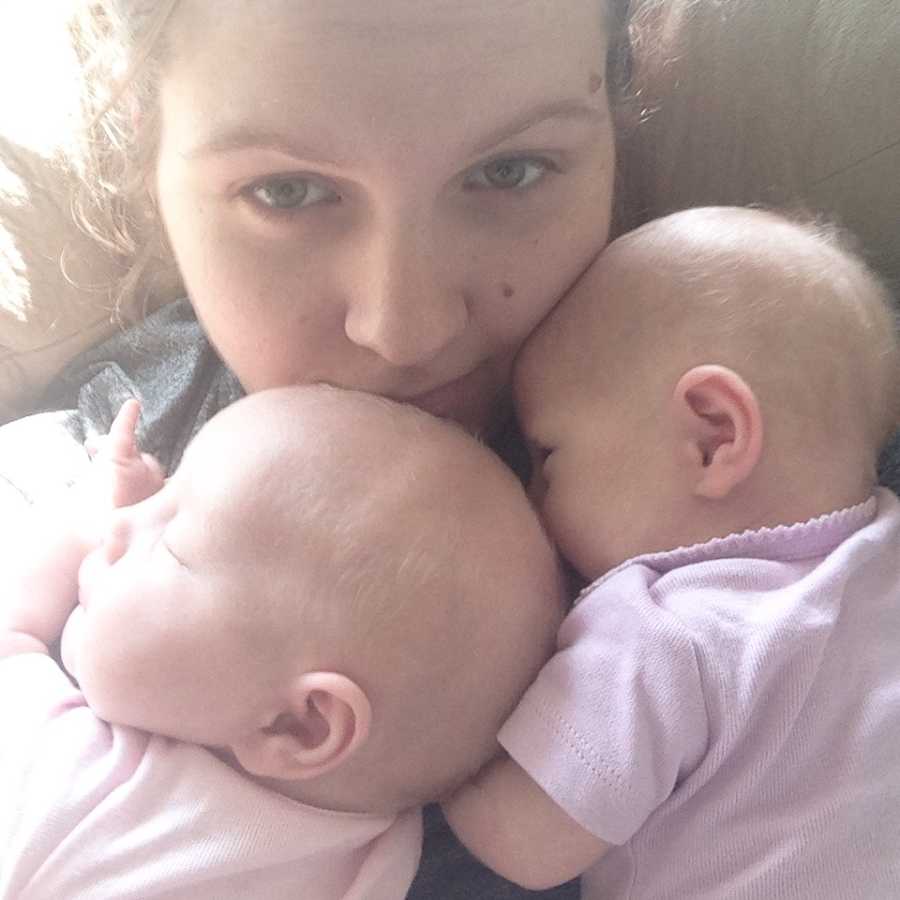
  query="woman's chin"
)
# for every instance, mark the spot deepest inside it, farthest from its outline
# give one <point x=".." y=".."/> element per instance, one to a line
<point x="471" y="401"/>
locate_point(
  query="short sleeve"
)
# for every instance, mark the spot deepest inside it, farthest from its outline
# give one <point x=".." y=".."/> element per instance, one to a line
<point x="617" y="716"/>
<point x="89" y="809"/>
<point x="33" y="691"/>
<point x="55" y="762"/>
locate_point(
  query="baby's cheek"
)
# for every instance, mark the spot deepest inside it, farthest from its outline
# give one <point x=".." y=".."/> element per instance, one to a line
<point x="71" y="640"/>
<point x="564" y="524"/>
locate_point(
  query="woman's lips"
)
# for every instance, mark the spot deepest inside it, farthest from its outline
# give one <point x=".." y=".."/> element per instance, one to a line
<point x="451" y="400"/>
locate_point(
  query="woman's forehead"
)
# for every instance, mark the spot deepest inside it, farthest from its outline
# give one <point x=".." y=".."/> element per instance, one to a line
<point x="463" y="69"/>
<point x="396" y="29"/>
<point x="384" y="16"/>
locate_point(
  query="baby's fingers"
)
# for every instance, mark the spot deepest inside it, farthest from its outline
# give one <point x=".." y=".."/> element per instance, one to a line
<point x="122" y="474"/>
<point x="120" y="444"/>
<point x="156" y="474"/>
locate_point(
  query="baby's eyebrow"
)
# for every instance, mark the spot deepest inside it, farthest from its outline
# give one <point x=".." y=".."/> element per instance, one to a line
<point x="167" y="547"/>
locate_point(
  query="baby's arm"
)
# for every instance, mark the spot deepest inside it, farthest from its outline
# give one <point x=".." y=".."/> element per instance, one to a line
<point x="512" y="826"/>
<point x="40" y="580"/>
<point x="41" y="573"/>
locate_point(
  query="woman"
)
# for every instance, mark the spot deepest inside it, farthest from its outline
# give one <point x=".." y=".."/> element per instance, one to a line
<point x="382" y="196"/>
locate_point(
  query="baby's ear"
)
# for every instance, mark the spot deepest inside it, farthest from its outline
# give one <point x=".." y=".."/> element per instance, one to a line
<point x="720" y="429"/>
<point x="325" y="719"/>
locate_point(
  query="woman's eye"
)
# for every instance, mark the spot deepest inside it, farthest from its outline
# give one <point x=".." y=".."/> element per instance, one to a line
<point x="509" y="173"/>
<point x="289" y="193"/>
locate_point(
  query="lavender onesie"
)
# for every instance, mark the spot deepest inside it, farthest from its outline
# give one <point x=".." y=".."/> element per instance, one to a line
<point x="728" y="715"/>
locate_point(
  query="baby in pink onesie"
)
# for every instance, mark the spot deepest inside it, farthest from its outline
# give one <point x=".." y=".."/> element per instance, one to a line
<point x="722" y="715"/>
<point x="279" y="653"/>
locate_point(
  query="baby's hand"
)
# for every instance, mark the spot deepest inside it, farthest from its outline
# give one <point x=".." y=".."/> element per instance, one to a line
<point x="125" y="475"/>
<point x="41" y="577"/>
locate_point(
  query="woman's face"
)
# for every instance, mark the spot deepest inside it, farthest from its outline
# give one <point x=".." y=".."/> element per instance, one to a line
<point x="384" y="196"/>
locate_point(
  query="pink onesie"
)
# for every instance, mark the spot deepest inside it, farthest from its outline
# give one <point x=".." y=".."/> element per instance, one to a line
<point x="90" y="811"/>
<point x="728" y="715"/>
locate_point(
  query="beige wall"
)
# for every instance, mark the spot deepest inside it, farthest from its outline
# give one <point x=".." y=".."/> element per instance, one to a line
<point x="773" y="101"/>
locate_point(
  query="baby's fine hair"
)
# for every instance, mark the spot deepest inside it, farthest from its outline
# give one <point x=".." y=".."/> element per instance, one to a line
<point x="367" y="507"/>
<point x="788" y="301"/>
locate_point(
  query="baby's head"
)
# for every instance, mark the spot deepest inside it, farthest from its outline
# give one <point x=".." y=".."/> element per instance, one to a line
<point x="715" y="370"/>
<point x="344" y="593"/>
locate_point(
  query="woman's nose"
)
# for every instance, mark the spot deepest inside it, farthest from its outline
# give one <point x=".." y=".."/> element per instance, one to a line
<point x="400" y="307"/>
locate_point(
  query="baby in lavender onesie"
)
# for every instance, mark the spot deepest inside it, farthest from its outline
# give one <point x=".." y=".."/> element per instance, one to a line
<point x="721" y="718"/>
<point x="280" y="652"/>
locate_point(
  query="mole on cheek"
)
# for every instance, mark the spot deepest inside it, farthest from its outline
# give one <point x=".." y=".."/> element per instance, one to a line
<point x="508" y="290"/>
<point x="596" y="82"/>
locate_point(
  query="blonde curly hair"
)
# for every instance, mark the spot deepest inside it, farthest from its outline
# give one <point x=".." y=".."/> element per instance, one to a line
<point x="121" y="47"/>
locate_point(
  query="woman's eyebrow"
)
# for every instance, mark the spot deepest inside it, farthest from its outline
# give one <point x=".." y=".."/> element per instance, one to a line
<point x="243" y="137"/>
<point x="573" y="110"/>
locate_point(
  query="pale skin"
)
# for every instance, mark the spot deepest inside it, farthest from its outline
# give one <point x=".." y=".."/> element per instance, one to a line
<point x="169" y="627"/>
<point x="386" y="197"/>
<point x="44" y="590"/>
<point x="698" y="426"/>
<point x="383" y="214"/>
<point x="391" y="215"/>
<point x="81" y="586"/>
